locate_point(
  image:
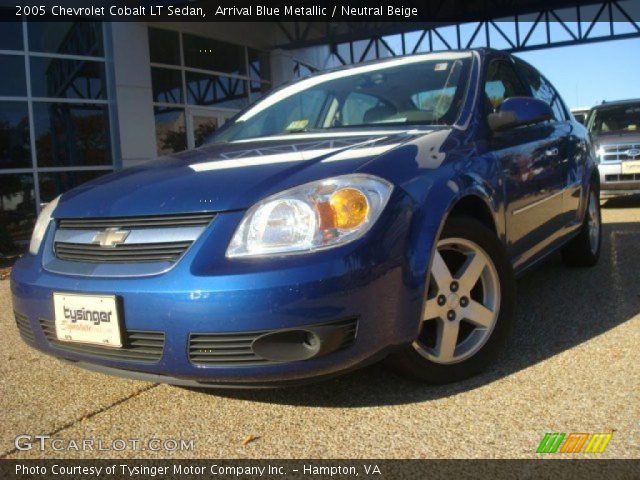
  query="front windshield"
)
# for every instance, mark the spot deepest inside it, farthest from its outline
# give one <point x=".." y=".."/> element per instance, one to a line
<point x="615" y="119"/>
<point x="418" y="90"/>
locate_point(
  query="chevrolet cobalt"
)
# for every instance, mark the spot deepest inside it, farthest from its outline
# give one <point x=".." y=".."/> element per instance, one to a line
<point x="381" y="210"/>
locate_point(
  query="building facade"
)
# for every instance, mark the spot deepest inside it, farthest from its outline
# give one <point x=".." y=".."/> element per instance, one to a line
<point x="82" y="99"/>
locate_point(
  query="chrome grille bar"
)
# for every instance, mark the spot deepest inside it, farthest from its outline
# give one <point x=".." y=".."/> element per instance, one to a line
<point x="145" y="252"/>
<point x="171" y="221"/>
<point x="618" y="152"/>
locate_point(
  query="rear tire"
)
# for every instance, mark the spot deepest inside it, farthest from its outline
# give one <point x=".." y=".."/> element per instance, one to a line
<point x="584" y="249"/>
<point x="468" y="309"/>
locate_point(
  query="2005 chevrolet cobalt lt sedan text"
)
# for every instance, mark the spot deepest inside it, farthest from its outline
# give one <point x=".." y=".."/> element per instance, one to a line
<point x="379" y="210"/>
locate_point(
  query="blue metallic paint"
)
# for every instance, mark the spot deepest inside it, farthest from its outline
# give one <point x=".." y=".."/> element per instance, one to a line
<point x="379" y="278"/>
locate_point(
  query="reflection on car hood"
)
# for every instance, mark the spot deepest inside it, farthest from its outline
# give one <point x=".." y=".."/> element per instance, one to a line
<point x="231" y="176"/>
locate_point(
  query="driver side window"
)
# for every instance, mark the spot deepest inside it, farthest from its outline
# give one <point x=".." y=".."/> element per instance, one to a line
<point x="542" y="90"/>
<point x="501" y="82"/>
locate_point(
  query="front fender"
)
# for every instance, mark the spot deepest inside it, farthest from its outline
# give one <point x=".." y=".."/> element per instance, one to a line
<point x="431" y="215"/>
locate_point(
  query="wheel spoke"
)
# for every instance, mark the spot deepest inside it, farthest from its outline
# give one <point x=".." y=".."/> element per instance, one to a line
<point x="469" y="293"/>
<point x="431" y="310"/>
<point x="470" y="272"/>
<point x="478" y="314"/>
<point x="440" y="271"/>
<point x="447" y="340"/>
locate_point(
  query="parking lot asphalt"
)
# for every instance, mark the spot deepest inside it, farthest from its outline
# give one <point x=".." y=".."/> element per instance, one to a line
<point x="572" y="365"/>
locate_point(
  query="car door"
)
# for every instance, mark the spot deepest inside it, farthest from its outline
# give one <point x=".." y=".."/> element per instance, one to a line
<point x="528" y="157"/>
<point x="569" y="146"/>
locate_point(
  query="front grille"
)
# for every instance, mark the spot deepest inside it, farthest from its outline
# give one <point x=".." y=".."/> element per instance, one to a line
<point x="155" y="221"/>
<point x="24" y="327"/>
<point x="625" y="177"/>
<point x="157" y="239"/>
<point x="618" y="153"/>
<point x="139" y="346"/>
<point x="136" y="252"/>
<point x="229" y="349"/>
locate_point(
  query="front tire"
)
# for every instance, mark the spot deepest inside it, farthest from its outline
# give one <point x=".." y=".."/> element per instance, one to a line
<point x="469" y="306"/>
<point x="584" y="249"/>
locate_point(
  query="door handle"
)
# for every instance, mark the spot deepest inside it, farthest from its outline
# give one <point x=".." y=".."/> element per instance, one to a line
<point x="551" y="152"/>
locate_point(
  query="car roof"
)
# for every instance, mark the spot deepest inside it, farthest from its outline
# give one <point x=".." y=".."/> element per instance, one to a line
<point x="617" y="102"/>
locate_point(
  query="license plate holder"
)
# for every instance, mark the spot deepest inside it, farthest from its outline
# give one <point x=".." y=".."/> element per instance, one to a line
<point x="87" y="319"/>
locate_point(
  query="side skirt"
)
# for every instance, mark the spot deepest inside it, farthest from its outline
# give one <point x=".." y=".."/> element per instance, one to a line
<point x="569" y="233"/>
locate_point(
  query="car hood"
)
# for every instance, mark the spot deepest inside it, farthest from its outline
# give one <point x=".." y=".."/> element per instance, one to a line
<point x="616" y="138"/>
<point x="231" y="176"/>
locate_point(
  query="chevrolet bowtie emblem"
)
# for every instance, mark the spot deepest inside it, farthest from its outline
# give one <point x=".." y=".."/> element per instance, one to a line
<point x="111" y="237"/>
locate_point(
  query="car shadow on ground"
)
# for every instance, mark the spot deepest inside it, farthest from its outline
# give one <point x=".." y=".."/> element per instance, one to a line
<point x="558" y="308"/>
<point x="625" y="201"/>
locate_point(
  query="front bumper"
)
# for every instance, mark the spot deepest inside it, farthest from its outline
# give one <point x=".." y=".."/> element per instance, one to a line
<point x="367" y="281"/>
<point x="613" y="182"/>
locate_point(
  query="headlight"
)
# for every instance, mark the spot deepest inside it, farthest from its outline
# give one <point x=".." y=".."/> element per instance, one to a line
<point x="314" y="216"/>
<point x="41" y="225"/>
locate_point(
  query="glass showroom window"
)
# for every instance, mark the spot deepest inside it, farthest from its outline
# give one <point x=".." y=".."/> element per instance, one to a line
<point x="54" y="118"/>
<point x="199" y="83"/>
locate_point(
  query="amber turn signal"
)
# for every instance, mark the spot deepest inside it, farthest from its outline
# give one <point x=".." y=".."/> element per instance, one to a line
<point x="350" y="208"/>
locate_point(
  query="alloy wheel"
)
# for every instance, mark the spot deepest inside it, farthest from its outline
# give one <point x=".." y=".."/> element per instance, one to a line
<point x="462" y="305"/>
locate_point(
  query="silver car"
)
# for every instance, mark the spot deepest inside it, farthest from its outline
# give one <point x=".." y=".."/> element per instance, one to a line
<point x="615" y="128"/>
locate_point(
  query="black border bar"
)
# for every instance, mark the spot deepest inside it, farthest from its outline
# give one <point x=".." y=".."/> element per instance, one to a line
<point x="116" y="469"/>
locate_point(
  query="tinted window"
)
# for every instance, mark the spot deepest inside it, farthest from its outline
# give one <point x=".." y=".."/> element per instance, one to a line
<point x="502" y="82"/>
<point x="15" y="148"/>
<point x="12" y="75"/>
<point x="216" y="90"/>
<point x="17" y="212"/>
<point x="203" y="128"/>
<point x="53" y="184"/>
<point x="71" y="134"/>
<point x="56" y="78"/>
<point x="542" y="90"/>
<point x="258" y="90"/>
<point x="209" y="54"/>
<point x="71" y="38"/>
<point x="11" y="32"/>
<point x="164" y="46"/>
<point x="171" y="134"/>
<point x="258" y="64"/>
<point x="167" y="85"/>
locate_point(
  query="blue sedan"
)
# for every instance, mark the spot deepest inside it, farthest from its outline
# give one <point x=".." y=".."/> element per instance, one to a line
<point x="381" y="210"/>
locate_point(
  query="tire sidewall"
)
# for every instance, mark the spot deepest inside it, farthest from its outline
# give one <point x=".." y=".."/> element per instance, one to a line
<point x="415" y="364"/>
<point x="596" y="255"/>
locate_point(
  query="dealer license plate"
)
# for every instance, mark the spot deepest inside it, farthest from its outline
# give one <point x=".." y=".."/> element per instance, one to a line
<point x="631" y="166"/>
<point x="89" y="319"/>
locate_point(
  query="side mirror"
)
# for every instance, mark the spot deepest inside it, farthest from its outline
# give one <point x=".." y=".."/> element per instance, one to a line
<point x="518" y="111"/>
